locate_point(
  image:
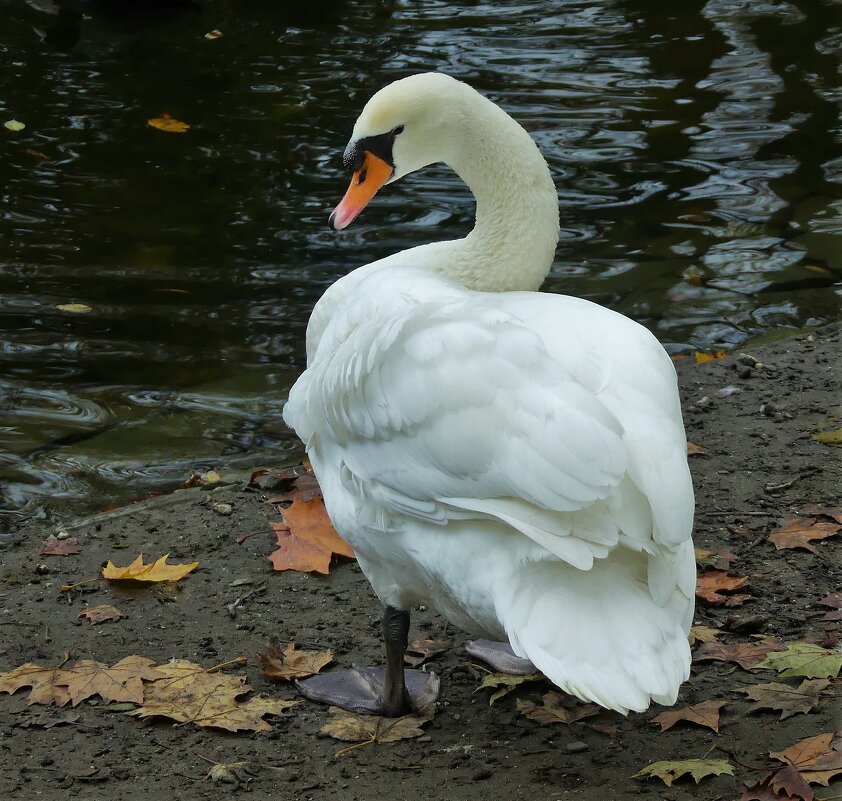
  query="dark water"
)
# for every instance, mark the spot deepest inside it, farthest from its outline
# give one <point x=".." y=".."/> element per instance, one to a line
<point x="697" y="154"/>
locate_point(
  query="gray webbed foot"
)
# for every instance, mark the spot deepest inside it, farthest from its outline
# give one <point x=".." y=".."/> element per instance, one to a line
<point x="361" y="690"/>
<point x="501" y="657"/>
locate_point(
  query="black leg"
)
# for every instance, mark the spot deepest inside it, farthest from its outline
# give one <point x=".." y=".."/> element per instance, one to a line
<point x="395" y="634"/>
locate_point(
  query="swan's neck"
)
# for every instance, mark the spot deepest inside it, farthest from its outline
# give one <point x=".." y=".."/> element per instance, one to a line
<point x="513" y="242"/>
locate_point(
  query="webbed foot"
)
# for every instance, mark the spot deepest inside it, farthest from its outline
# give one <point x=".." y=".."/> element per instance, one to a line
<point x="501" y="657"/>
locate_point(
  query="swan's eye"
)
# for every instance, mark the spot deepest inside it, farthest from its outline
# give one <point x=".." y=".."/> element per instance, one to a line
<point x="398" y="130"/>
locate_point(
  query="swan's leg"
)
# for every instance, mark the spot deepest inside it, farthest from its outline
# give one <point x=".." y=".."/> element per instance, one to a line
<point x="390" y="692"/>
<point x="501" y="657"/>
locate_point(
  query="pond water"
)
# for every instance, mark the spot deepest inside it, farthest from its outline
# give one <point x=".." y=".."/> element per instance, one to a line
<point x="697" y="154"/>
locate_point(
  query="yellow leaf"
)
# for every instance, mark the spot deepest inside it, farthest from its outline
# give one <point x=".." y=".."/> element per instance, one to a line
<point x="76" y="308"/>
<point x="14" y="125"/>
<point x="670" y="770"/>
<point x="828" y="437"/>
<point x="701" y="358"/>
<point x="168" y="124"/>
<point x="156" y="571"/>
<point x="367" y="729"/>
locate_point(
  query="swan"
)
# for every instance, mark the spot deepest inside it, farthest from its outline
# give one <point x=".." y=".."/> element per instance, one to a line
<point x="512" y="459"/>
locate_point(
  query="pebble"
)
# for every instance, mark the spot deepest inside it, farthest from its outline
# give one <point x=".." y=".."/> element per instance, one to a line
<point x="62" y="535"/>
<point x="42" y="570"/>
<point x="576" y="746"/>
<point x="223" y="509"/>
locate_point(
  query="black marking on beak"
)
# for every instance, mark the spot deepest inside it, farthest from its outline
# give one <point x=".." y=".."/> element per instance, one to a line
<point x="380" y="146"/>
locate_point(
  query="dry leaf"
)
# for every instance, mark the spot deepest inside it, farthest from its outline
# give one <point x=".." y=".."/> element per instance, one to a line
<point x="712" y="583"/>
<point x="720" y="559"/>
<point x="52" y="546"/>
<point x="833" y="512"/>
<point x="307" y="539"/>
<point x="351" y="728"/>
<point x="788" y="700"/>
<point x="74" y="308"/>
<point x="833" y="600"/>
<point x="670" y="770"/>
<point x="122" y="682"/>
<point x="746" y="654"/>
<point x="804" y="659"/>
<point x="42" y="680"/>
<point x="703" y="634"/>
<point x="817" y="759"/>
<point x="158" y="570"/>
<point x="214" y="34"/>
<point x="168" y="124"/>
<point x="704" y="714"/>
<point x="828" y="437"/>
<point x="506" y="683"/>
<point x="189" y="694"/>
<point x="553" y="711"/>
<point x="419" y="651"/>
<point x="229" y="772"/>
<point x="14" y="125"/>
<point x="798" y="533"/>
<point x="289" y="664"/>
<point x="697" y="450"/>
<point x="701" y="358"/>
<point x="101" y="614"/>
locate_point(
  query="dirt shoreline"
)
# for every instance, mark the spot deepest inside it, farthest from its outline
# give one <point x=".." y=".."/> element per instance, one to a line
<point x="763" y="467"/>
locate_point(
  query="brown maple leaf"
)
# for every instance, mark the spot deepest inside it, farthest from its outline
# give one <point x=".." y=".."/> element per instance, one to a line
<point x="703" y="634"/>
<point x="552" y="710"/>
<point x="52" y="546"/>
<point x="721" y="558"/>
<point x="833" y="600"/>
<point x="817" y="759"/>
<point x="712" y="583"/>
<point x="745" y="654"/>
<point x="833" y="512"/>
<point x="419" y="651"/>
<point x="697" y="450"/>
<point x="289" y="663"/>
<point x="101" y="614"/>
<point x="188" y="693"/>
<point x="800" y="531"/>
<point x="370" y="729"/>
<point x="307" y="539"/>
<point x="704" y="714"/>
<point x="121" y="683"/>
<point x="789" y="700"/>
<point x="42" y="680"/>
<point x="158" y="570"/>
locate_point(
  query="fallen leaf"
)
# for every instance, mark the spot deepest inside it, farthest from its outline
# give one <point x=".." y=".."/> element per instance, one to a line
<point x="366" y="729"/>
<point x="704" y="714"/>
<point x="31" y="151"/>
<point x="121" y="683"/>
<point x="697" y="450"/>
<point x="701" y="358"/>
<point x="52" y="546"/>
<point x="712" y="583"/>
<point x="745" y="654"/>
<point x="804" y="659"/>
<point x="229" y="772"/>
<point x="419" y="651"/>
<point x="289" y="664"/>
<point x="767" y="790"/>
<point x="307" y="539"/>
<point x="74" y="308"/>
<point x="506" y="683"/>
<point x="214" y="34"/>
<point x="553" y="710"/>
<point x="190" y="694"/>
<point x="14" y="125"/>
<point x="201" y="479"/>
<point x="101" y="614"/>
<point x="798" y="533"/>
<point x="833" y="512"/>
<point x="817" y="759"/>
<point x="833" y="600"/>
<point x="158" y="570"/>
<point x="42" y="681"/>
<point x="703" y="634"/>
<point x="828" y="437"/>
<point x="788" y="700"/>
<point x="720" y="559"/>
<point x="168" y="124"/>
<point x="46" y="720"/>
<point x="671" y="770"/>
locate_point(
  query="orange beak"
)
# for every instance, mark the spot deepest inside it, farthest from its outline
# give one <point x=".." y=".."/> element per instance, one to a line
<point x="364" y="185"/>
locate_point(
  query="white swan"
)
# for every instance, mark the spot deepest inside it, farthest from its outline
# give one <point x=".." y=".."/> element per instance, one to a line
<point x="515" y="460"/>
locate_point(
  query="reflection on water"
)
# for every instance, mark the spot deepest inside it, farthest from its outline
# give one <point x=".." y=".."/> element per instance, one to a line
<point x="696" y="151"/>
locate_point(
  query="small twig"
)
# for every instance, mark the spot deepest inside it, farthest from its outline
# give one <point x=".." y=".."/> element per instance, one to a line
<point x="68" y="587"/>
<point x="240" y="660"/>
<point x="773" y="488"/>
<point x="209" y="761"/>
<point x="354" y="747"/>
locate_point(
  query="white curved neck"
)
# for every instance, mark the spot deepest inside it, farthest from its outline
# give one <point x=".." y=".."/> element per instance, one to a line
<point x="513" y="242"/>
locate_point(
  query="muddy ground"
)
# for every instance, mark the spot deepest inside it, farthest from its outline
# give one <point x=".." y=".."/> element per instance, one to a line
<point x="757" y="437"/>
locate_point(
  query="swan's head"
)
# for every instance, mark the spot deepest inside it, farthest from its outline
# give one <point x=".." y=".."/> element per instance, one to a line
<point x="406" y="126"/>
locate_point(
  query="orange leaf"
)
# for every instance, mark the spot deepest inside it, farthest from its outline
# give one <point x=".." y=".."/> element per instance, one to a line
<point x="307" y="539"/>
<point x="798" y="532"/>
<point x="701" y="358"/>
<point x="101" y="614"/>
<point x="703" y="714"/>
<point x="697" y="450"/>
<point x="712" y="583"/>
<point x="290" y="663"/>
<point x="168" y="124"/>
<point x="158" y="570"/>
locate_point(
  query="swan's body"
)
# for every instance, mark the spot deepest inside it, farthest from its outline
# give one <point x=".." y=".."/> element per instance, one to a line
<point x="515" y="460"/>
